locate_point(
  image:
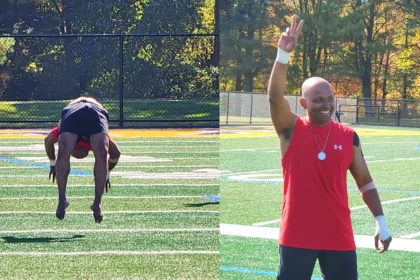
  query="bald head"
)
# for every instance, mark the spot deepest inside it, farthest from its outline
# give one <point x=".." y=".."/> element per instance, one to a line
<point x="318" y="100"/>
<point x="315" y="85"/>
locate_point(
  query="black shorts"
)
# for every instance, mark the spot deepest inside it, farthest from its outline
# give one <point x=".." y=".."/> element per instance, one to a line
<point x="84" y="119"/>
<point x="298" y="264"/>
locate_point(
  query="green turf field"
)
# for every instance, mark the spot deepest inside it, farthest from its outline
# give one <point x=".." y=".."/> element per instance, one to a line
<point x="160" y="221"/>
<point x="251" y="195"/>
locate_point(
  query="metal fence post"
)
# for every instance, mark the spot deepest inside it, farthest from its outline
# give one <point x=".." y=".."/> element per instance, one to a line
<point x="357" y="110"/>
<point x="227" y="110"/>
<point x="121" y="122"/>
<point x="250" y="114"/>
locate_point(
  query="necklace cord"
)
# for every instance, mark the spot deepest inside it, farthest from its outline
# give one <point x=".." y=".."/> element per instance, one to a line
<point x="316" y="138"/>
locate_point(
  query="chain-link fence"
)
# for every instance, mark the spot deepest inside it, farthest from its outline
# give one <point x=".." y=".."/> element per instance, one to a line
<point x="396" y="112"/>
<point x="250" y="108"/>
<point x="149" y="80"/>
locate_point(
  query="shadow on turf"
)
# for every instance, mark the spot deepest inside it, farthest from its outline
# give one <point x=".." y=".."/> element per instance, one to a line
<point x="12" y="239"/>
<point x="201" y="204"/>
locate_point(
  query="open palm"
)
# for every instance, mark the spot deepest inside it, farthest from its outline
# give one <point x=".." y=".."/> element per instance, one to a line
<point x="288" y="39"/>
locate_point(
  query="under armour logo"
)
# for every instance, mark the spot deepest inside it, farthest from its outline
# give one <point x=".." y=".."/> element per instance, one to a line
<point x="338" y="147"/>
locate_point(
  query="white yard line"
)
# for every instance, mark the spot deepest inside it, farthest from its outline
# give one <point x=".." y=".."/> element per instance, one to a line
<point x="123" y="159"/>
<point x="375" y="143"/>
<point x="186" y="152"/>
<point x="84" y="253"/>
<point x="387" y="202"/>
<point x="230" y="173"/>
<point x="133" y="141"/>
<point x="266" y="223"/>
<point x="105" y="197"/>
<point x="393" y="159"/>
<point x="413" y="235"/>
<point x="352" y="208"/>
<point x="167" y="146"/>
<point x="35" y="176"/>
<point x="111" y="212"/>
<point x="40" y="147"/>
<point x="120" y="166"/>
<point x="249" y="150"/>
<point x="41" y="158"/>
<point x="195" y="174"/>
<point x="362" y="241"/>
<point x="119" y="141"/>
<point x="38" y="231"/>
<point x="17" y="167"/>
<point x="194" y="158"/>
<point x="114" y="185"/>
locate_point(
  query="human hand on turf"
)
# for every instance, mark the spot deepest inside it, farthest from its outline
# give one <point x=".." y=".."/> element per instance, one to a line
<point x="288" y="39"/>
<point x="107" y="183"/>
<point x="52" y="173"/>
<point x="385" y="243"/>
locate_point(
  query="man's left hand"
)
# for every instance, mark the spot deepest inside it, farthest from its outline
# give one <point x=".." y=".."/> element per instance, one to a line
<point x="107" y="183"/>
<point x="52" y="173"/>
<point x="385" y="243"/>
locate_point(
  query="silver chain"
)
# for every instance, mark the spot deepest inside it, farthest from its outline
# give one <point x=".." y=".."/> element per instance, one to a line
<point x="316" y="139"/>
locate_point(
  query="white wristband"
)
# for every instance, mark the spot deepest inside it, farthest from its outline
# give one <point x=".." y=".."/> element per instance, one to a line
<point x="382" y="226"/>
<point x="282" y="56"/>
<point x="107" y="175"/>
<point x="52" y="162"/>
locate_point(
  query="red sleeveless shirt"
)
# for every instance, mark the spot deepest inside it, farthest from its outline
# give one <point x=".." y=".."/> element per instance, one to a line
<point x="81" y="144"/>
<point x="315" y="211"/>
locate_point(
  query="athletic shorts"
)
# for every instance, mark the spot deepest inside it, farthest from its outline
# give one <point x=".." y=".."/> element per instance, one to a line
<point x="298" y="264"/>
<point x="84" y="119"/>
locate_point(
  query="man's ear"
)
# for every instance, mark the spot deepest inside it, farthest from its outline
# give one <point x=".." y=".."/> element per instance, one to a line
<point x="302" y="102"/>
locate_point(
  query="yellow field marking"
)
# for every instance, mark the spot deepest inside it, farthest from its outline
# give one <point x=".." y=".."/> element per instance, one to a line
<point x="249" y="132"/>
<point x="378" y="132"/>
<point x="117" y="133"/>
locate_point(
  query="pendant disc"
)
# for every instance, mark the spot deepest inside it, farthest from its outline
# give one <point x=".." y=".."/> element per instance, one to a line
<point x="322" y="155"/>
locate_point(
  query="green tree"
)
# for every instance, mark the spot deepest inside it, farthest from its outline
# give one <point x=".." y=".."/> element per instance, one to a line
<point x="68" y="66"/>
<point x="244" y="52"/>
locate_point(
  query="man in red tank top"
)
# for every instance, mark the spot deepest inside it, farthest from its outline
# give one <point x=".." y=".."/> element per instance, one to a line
<point x="83" y="119"/>
<point x="316" y="222"/>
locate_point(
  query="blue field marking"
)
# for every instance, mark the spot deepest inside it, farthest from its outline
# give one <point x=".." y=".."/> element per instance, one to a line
<point x="212" y="197"/>
<point x="38" y="165"/>
<point x="254" y="271"/>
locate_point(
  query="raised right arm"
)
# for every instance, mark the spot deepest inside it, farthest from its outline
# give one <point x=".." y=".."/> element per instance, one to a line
<point x="282" y="117"/>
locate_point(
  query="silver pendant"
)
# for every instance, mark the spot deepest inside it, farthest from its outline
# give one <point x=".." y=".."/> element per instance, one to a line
<point x="322" y="155"/>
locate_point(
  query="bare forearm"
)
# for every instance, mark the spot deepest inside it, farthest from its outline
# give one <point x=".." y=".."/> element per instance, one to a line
<point x="50" y="150"/>
<point x="114" y="155"/>
<point x="373" y="202"/>
<point x="277" y="83"/>
<point x="111" y="165"/>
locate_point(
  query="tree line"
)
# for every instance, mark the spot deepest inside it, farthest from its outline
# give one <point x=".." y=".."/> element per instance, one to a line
<point x="151" y="49"/>
<point x="365" y="48"/>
